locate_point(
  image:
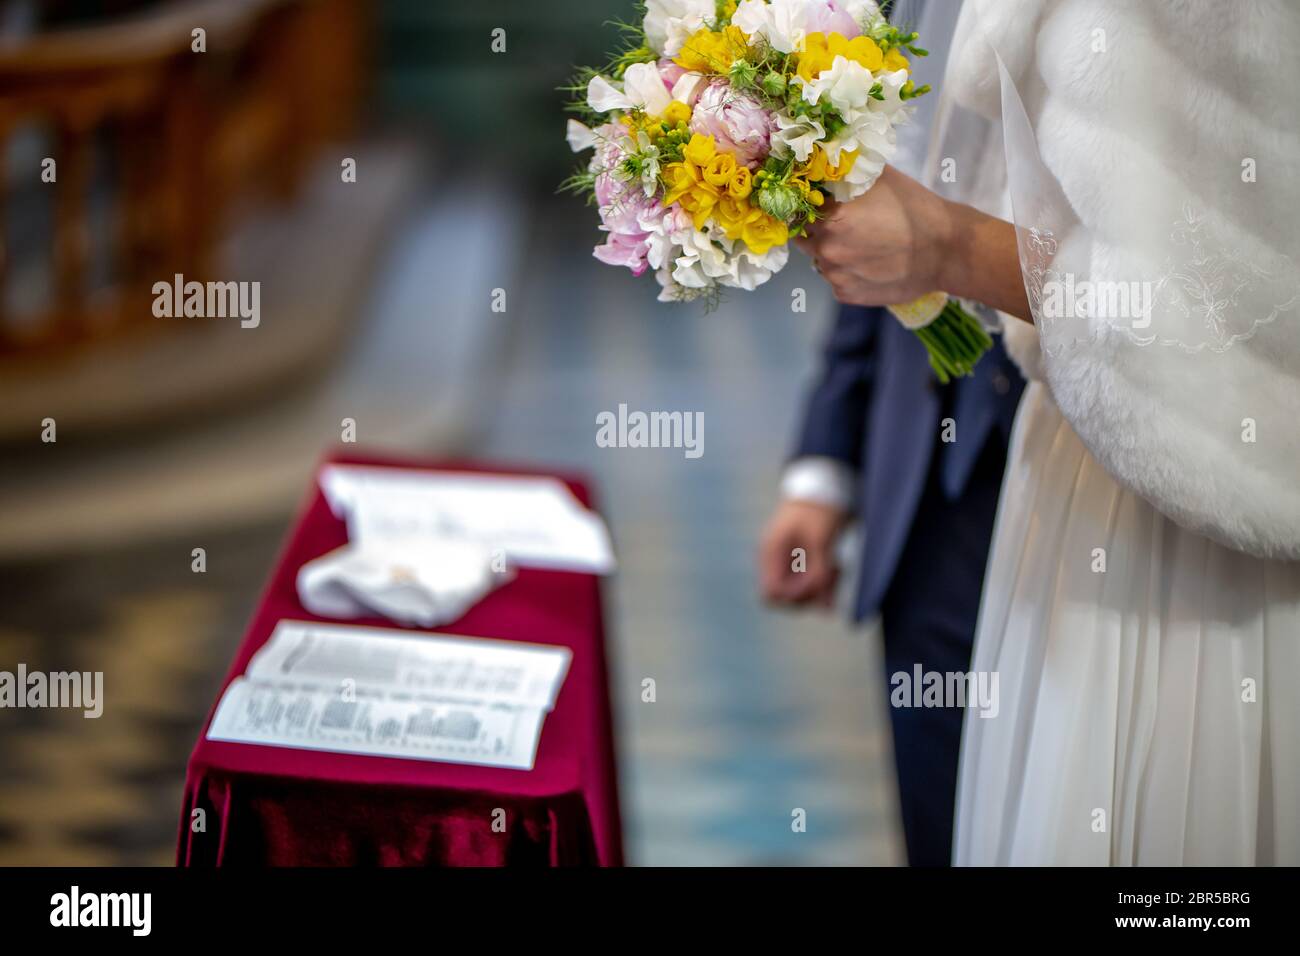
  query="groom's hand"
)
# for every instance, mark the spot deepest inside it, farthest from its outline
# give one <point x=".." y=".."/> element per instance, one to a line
<point x="796" y="557"/>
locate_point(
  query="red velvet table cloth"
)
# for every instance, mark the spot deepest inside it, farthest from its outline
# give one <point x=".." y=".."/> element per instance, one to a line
<point x="272" y="806"/>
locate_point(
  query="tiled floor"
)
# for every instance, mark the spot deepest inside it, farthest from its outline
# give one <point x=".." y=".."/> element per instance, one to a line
<point x="757" y="714"/>
<point x="105" y="791"/>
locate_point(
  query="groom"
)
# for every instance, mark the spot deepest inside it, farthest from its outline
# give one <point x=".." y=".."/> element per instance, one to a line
<point x="920" y="465"/>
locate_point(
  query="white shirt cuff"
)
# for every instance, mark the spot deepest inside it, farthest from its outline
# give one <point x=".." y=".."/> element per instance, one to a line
<point x="819" y="479"/>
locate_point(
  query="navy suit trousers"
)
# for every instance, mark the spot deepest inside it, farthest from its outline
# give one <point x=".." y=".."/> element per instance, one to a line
<point x="928" y="615"/>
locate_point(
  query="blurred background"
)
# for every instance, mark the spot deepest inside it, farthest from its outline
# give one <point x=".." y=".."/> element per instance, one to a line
<point x="375" y="305"/>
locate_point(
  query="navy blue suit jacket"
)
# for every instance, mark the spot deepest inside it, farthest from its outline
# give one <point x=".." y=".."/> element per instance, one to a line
<point x="879" y="408"/>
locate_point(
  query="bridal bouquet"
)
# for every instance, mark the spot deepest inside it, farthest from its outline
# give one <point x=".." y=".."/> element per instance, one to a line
<point x="722" y="128"/>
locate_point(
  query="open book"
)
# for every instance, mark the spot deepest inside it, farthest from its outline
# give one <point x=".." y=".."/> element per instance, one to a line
<point x="387" y="693"/>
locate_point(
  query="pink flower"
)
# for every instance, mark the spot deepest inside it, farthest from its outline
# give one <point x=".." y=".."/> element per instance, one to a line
<point x="737" y="121"/>
<point x="622" y="218"/>
<point x="670" y="72"/>
<point x="623" y="203"/>
<point x="621" y="249"/>
<point x="627" y="209"/>
<point x="611" y="143"/>
<point x="828" y="16"/>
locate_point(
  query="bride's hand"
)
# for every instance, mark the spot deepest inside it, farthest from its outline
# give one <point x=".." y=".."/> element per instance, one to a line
<point x="899" y="240"/>
<point x="887" y="246"/>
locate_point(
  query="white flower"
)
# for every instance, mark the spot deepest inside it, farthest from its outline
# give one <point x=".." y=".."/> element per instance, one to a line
<point x="649" y="154"/>
<point x="862" y="130"/>
<point x="893" y="105"/>
<point x="579" y="136"/>
<point x="786" y="23"/>
<point x="866" y="170"/>
<point x="603" y="96"/>
<point x="661" y="228"/>
<point x="642" y="89"/>
<point x="781" y="22"/>
<point x="797" y="135"/>
<point x="846" y="85"/>
<point x="666" y="232"/>
<point x="669" y="23"/>
<point x="689" y="261"/>
<point x="701" y="261"/>
<point x="689" y="86"/>
<point x="865" y="12"/>
<point x="709" y="258"/>
<point x="669" y="291"/>
<point x="750" y="270"/>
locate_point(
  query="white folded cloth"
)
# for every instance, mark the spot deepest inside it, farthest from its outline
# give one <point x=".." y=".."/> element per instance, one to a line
<point x="424" y="582"/>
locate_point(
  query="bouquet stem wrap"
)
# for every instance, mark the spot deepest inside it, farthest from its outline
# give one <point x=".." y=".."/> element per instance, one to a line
<point x="954" y="338"/>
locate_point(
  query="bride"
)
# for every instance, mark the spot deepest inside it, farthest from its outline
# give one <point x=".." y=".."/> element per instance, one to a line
<point x="1142" y="602"/>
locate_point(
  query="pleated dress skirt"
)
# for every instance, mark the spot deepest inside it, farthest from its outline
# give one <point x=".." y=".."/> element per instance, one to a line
<point x="1148" y="679"/>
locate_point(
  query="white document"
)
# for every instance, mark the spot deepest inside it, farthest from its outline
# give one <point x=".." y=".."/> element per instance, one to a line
<point x="386" y="693"/>
<point x="535" y="521"/>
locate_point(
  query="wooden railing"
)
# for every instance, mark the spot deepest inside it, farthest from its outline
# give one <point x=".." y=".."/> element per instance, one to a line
<point x="171" y="141"/>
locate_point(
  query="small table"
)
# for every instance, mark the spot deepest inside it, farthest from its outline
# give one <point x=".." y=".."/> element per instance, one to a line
<point x="272" y="806"/>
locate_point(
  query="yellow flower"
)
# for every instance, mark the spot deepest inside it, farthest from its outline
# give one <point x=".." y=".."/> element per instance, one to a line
<point x="679" y="178"/>
<point x="815" y="197"/>
<point x="677" y="112"/>
<point x="815" y="169"/>
<point x="733" y="213"/>
<point x="894" y="60"/>
<point x="700" y="149"/>
<point x="814" y="57"/>
<point x="699" y="203"/>
<point x="836" y="173"/>
<point x="737" y="39"/>
<point x="742" y="183"/>
<point x="818" y="168"/>
<point x="764" y="232"/>
<point x="860" y="49"/>
<point x="720" y="169"/>
<point x="697" y="52"/>
<point x="821" y="49"/>
<point x="729" y="213"/>
<point x="707" y="51"/>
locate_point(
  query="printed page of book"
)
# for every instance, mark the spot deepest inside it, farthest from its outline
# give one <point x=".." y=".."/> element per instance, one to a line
<point x="386" y="693"/>
<point x="438" y="666"/>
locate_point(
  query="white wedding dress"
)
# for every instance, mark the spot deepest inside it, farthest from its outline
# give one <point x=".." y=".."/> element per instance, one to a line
<point x="1142" y="602"/>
